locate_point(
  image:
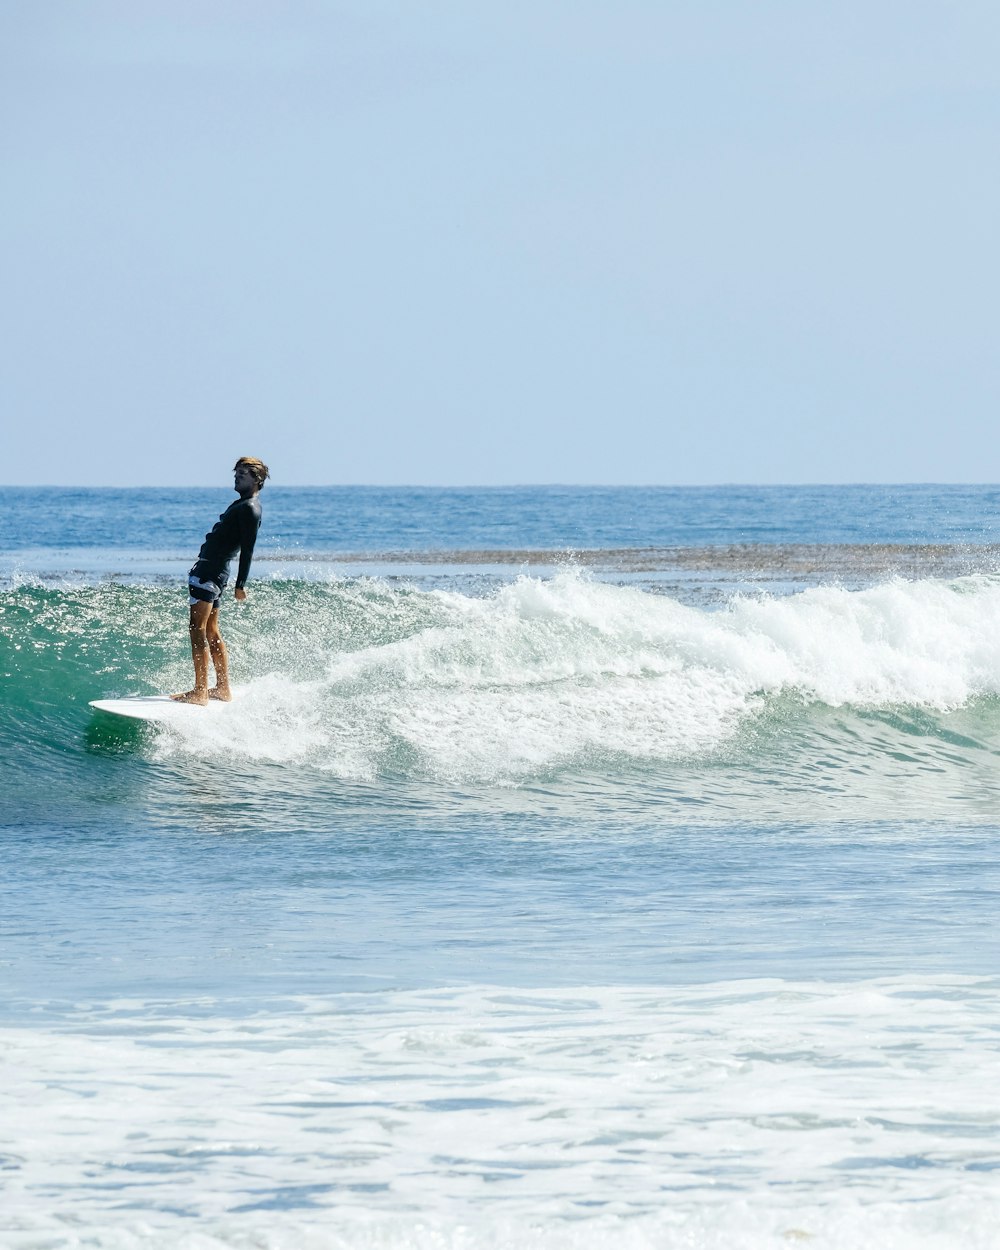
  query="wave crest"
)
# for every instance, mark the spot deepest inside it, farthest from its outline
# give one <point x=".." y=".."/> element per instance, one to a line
<point x="547" y="674"/>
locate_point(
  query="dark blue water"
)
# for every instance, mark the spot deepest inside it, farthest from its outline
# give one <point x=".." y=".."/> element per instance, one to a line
<point x="371" y="519"/>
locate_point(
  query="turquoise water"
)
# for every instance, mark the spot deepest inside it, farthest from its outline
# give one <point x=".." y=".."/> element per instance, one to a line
<point x="550" y="901"/>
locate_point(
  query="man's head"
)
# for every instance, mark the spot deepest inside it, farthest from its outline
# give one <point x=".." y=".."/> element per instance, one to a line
<point x="251" y="473"/>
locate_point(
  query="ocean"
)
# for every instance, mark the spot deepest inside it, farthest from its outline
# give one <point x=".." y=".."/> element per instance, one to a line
<point x="580" y="867"/>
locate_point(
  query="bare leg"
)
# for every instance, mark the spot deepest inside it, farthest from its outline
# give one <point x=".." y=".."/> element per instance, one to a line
<point x="220" y="659"/>
<point x="200" y="613"/>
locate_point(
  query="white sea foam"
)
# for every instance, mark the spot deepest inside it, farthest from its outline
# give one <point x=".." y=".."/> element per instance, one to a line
<point x="547" y="673"/>
<point x="738" y="1115"/>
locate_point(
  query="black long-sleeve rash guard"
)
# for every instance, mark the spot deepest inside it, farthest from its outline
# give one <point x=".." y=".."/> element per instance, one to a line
<point x="235" y="530"/>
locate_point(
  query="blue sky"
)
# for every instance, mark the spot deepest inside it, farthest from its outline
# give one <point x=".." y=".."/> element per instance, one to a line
<point x="461" y="243"/>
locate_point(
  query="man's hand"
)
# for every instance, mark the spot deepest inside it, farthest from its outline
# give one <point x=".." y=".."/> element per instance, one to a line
<point x="240" y="593"/>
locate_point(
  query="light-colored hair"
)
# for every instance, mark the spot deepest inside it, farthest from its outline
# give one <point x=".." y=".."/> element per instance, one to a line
<point x="257" y="467"/>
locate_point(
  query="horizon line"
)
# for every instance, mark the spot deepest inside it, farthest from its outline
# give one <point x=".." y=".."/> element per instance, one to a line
<point x="491" y="486"/>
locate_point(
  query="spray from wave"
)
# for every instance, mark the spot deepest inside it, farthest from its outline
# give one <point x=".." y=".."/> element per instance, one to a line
<point x="570" y="673"/>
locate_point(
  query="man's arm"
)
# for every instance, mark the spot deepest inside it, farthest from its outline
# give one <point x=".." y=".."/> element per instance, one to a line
<point x="249" y="525"/>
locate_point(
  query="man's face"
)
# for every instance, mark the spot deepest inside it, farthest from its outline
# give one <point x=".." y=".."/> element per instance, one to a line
<point x="243" y="479"/>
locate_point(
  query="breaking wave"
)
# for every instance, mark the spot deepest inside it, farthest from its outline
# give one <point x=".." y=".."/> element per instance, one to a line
<point x="362" y="679"/>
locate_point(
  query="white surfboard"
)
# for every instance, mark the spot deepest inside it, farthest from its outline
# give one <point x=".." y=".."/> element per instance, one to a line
<point x="161" y="708"/>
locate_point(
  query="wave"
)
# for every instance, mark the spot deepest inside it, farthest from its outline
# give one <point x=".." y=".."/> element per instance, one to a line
<point x="362" y="678"/>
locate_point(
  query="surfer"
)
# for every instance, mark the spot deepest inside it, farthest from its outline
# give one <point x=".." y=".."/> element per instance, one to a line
<point x="235" y="530"/>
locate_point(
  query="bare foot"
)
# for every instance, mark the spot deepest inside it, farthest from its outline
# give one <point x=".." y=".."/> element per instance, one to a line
<point x="222" y="693"/>
<point x="200" y="697"/>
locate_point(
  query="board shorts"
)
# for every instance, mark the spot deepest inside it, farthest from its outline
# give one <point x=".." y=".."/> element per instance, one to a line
<point x="205" y="592"/>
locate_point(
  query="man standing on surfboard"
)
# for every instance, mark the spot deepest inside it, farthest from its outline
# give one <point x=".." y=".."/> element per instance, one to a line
<point x="236" y="530"/>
